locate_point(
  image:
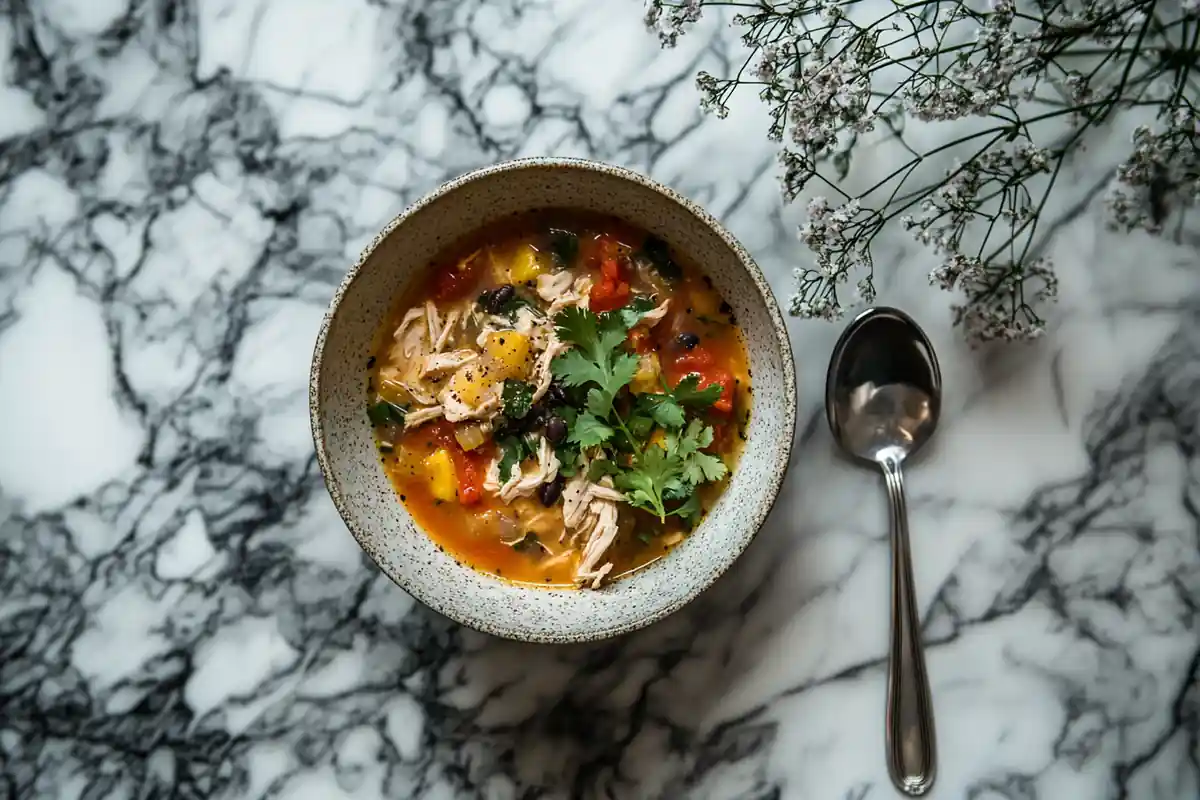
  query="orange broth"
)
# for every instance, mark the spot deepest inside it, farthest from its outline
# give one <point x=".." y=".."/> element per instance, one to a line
<point x="481" y="533"/>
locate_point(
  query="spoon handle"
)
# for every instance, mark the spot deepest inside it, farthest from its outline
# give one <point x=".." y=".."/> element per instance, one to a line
<point x="911" y="742"/>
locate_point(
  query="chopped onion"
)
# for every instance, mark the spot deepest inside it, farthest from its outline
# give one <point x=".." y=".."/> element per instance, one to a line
<point x="469" y="436"/>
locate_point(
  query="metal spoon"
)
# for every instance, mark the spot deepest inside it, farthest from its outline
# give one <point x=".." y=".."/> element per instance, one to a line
<point x="883" y="394"/>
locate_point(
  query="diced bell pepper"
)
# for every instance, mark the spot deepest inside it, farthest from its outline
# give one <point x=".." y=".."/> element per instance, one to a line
<point x="443" y="482"/>
<point x="508" y="352"/>
<point x="647" y="378"/>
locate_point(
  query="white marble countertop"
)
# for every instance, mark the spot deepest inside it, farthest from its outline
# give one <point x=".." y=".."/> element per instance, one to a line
<point x="182" y="613"/>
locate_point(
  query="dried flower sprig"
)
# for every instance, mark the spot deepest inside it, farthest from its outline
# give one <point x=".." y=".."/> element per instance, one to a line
<point x="1024" y="82"/>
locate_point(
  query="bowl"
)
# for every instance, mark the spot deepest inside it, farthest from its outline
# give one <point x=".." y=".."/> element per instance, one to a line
<point x="344" y="439"/>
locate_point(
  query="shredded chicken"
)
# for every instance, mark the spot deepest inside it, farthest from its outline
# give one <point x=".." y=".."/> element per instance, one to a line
<point x="439" y="330"/>
<point x="561" y="293"/>
<point x="457" y="411"/>
<point x="408" y="337"/>
<point x="522" y="483"/>
<point x="433" y="321"/>
<point x="542" y="375"/>
<point x="447" y="329"/>
<point x="443" y="362"/>
<point x="419" y="393"/>
<point x="419" y="417"/>
<point x="590" y="509"/>
<point x="551" y="286"/>
<point x="652" y="318"/>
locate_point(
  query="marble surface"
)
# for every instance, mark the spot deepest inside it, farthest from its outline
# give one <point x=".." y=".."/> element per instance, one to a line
<point x="183" y="615"/>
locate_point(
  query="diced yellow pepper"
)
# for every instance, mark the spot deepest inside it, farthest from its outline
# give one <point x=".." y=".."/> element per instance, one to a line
<point x="527" y="265"/>
<point x="705" y="302"/>
<point x="443" y="482"/>
<point x="646" y="380"/>
<point x="518" y="264"/>
<point x="508" y="351"/>
<point x="473" y="381"/>
<point x="659" y="437"/>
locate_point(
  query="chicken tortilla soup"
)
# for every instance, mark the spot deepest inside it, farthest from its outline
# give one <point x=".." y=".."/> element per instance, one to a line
<point x="561" y="401"/>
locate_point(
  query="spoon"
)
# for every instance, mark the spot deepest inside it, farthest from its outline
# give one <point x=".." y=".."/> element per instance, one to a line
<point x="883" y="394"/>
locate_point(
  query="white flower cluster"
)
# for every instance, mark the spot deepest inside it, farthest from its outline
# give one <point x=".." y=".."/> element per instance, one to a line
<point x="838" y="237"/>
<point x="1001" y="301"/>
<point x="1022" y="71"/>
<point x="669" y="19"/>
<point x="980" y="79"/>
<point x="1161" y="174"/>
<point x="830" y="96"/>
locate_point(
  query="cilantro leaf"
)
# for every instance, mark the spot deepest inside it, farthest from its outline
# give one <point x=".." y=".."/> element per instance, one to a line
<point x="658" y="254"/>
<point x="518" y="399"/>
<point x="515" y="449"/>
<point x="596" y="357"/>
<point x="383" y="413"/>
<point x="671" y="471"/>
<point x="631" y="314"/>
<point x="643" y="486"/>
<point x="688" y="393"/>
<point x="639" y="424"/>
<point x="601" y="467"/>
<point x="575" y="369"/>
<point x="703" y="468"/>
<point x="564" y="246"/>
<point x="697" y="467"/>
<point x="589" y="431"/>
<point x="662" y="409"/>
<point x="690" y="510"/>
<point x="568" y="457"/>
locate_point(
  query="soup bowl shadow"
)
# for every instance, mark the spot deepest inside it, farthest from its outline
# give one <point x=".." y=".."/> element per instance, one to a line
<point x="390" y="267"/>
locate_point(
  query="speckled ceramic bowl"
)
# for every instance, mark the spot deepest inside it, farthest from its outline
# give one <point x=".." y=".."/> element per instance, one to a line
<point x="360" y="489"/>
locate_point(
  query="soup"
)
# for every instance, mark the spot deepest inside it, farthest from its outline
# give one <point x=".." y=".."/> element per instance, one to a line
<point x="561" y="401"/>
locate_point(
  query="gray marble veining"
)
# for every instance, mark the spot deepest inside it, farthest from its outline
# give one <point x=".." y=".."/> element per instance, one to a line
<point x="182" y="614"/>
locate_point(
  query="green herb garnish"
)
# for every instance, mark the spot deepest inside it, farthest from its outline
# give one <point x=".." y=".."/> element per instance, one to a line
<point x="508" y="308"/>
<point x="658" y="254"/>
<point x="518" y="399"/>
<point x="564" y="247"/>
<point x="384" y="413"/>
<point x="514" y="449"/>
<point x="527" y="543"/>
<point x="671" y="471"/>
<point x="659" y="476"/>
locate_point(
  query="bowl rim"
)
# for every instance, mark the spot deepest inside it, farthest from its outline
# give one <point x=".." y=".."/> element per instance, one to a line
<point x="461" y="614"/>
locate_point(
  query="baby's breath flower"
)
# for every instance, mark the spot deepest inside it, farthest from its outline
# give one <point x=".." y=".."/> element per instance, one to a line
<point x="1031" y="78"/>
<point x="670" y="19"/>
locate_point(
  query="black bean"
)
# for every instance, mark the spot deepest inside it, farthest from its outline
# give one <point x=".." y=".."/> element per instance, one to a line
<point x="500" y="297"/>
<point x="549" y="493"/>
<point x="556" y="394"/>
<point x="688" y="340"/>
<point x="556" y="429"/>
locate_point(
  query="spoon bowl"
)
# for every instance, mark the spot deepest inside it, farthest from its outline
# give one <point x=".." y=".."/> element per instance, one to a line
<point x="884" y="388"/>
<point x="883" y="398"/>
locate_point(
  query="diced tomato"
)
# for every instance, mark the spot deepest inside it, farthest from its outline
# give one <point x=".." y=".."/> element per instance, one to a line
<point x="724" y="404"/>
<point x="697" y="360"/>
<point x="470" y="467"/>
<point x="612" y="290"/>
<point x="700" y="361"/>
<point x="608" y="296"/>
<point x="456" y="280"/>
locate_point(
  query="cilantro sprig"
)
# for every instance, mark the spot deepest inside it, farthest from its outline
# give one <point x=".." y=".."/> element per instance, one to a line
<point x="660" y="476"/>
